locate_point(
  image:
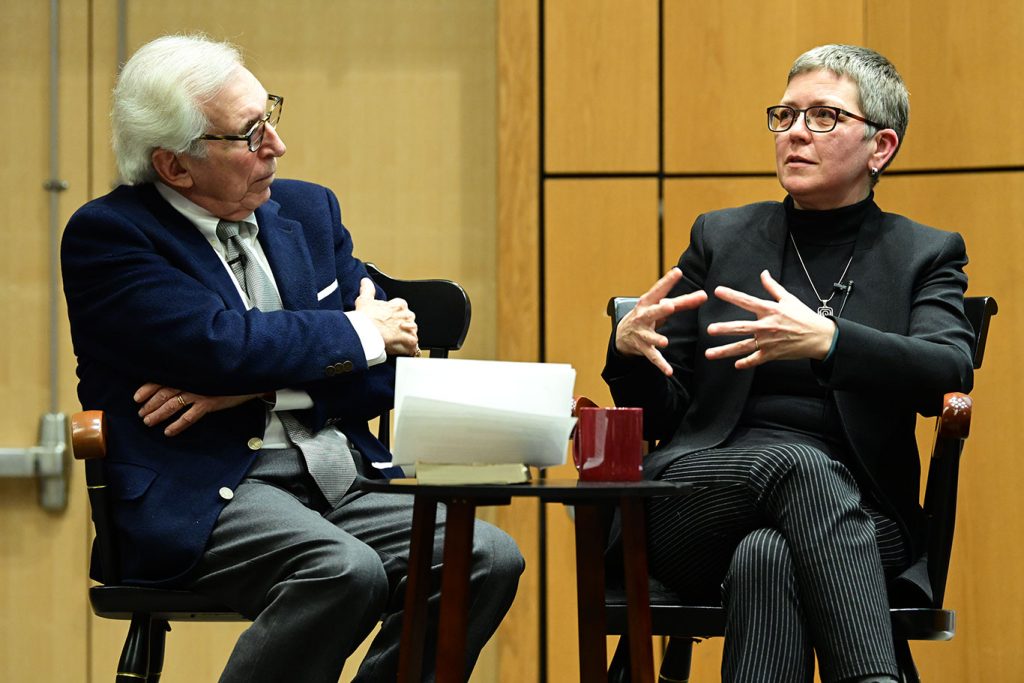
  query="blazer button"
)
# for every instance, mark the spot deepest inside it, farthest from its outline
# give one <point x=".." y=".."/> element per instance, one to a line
<point x="346" y="366"/>
<point x="330" y="371"/>
<point x="226" y="493"/>
<point x="255" y="443"/>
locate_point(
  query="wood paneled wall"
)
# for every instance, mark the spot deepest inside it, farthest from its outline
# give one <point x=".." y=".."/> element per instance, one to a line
<point x="652" y="112"/>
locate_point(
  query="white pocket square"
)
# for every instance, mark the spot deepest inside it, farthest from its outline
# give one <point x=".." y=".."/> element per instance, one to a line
<point x="326" y="291"/>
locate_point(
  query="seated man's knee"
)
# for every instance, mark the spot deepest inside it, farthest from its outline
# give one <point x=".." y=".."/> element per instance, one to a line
<point x="347" y="573"/>
<point x="496" y="555"/>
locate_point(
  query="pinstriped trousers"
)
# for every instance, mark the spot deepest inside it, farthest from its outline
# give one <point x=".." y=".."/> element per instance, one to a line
<point x="781" y="537"/>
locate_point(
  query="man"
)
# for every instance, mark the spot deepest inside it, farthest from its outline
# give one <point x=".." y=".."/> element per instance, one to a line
<point x="238" y="350"/>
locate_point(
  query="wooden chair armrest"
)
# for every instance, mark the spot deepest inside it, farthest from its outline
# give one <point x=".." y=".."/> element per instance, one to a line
<point x="89" y="435"/>
<point x="955" y="420"/>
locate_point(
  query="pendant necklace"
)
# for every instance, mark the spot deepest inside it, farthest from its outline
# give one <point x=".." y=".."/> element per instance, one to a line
<point x="824" y="309"/>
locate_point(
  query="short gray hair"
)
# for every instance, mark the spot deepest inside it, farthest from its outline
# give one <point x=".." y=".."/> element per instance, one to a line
<point x="883" y="96"/>
<point x="159" y="98"/>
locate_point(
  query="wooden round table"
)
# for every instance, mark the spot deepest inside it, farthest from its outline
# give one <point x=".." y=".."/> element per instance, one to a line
<point x="461" y="501"/>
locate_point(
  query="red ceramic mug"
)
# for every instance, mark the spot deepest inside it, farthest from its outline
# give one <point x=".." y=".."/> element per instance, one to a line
<point x="609" y="444"/>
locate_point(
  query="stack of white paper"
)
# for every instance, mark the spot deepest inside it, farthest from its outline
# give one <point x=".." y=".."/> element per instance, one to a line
<point x="472" y="411"/>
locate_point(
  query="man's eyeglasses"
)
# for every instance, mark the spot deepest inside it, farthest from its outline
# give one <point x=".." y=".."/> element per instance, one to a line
<point x="254" y="137"/>
<point x="819" y="119"/>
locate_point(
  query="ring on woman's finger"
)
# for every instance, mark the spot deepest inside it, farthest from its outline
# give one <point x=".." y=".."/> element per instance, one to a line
<point x="756" y="347"/>
<point x="181" y="401"/>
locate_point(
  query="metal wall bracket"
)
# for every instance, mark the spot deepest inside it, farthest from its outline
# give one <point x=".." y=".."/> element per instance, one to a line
<point x="48" y="462"/>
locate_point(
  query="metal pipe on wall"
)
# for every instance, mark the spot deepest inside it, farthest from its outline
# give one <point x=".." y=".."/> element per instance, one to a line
<point x="55" y="186"/>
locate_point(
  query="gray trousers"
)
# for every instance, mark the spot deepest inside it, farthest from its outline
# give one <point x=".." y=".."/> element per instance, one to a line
<point x="781" y="538"/>
<point x="316" y="580"/>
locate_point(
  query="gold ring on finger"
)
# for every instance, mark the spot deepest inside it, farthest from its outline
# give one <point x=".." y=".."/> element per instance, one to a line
<point x="181" y="401"/>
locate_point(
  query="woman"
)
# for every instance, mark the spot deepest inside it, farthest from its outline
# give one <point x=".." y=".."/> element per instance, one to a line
<point x="790" y="391"/>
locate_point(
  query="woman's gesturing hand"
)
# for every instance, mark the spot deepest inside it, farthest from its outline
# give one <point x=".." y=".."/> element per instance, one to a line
<point x="636" y="334"/>
<point x="785" y="329"/>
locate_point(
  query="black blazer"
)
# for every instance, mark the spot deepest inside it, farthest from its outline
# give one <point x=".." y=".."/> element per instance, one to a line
<point x="903" y="342"/>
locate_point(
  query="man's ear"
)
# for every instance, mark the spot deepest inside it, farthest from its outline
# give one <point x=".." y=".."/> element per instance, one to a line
<point x="171" y="168"/>
<point x="886" y="144"/>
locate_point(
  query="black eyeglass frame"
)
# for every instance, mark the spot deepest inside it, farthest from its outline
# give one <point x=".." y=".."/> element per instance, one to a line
<point x="252" y="141"/>
<point x="798" y="112"/>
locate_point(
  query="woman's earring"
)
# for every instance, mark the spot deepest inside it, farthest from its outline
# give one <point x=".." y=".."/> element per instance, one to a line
<point x="873" y="172"/>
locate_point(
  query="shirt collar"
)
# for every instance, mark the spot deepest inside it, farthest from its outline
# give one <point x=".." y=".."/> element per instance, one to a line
<point x="205" y="221"/>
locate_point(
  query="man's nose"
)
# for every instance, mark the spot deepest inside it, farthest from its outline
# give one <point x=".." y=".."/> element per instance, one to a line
<point x="272" y="141"/>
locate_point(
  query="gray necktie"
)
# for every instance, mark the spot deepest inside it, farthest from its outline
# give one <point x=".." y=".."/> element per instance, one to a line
<point x="327" y="454"/>
<point x="242" y="259"/>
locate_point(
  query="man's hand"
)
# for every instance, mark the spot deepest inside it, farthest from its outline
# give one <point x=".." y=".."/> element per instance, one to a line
<point x="160" y="403"/>
<point x="785" y="329"/>
<point x="636" y="333"/>
<point x="394" y="320"/>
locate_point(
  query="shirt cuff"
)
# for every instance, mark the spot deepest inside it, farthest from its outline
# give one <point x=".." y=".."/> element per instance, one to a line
<point x="369" y="337"/>
<point x="835" y="340"/>
<point x="292" y="399"/>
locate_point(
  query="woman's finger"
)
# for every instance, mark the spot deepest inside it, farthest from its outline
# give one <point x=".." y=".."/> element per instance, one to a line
<point x="654" y="355"/>
<point x="731" y="350"/>
<point x="773" y="287"/>
<point x="660" y="288"/>
<point x="748" y="303"/>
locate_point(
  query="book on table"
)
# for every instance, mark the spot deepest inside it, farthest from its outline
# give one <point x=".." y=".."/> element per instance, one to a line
<point x="443" y="473"/>
<point x="472" y="421"/>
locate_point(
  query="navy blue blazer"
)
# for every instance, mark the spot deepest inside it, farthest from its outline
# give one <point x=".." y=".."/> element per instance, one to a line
<point x="150" y="301"/>
<point x="903" y="342"/>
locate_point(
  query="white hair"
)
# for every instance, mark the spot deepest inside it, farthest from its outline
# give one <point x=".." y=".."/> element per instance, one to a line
<point x="159" y="99"/>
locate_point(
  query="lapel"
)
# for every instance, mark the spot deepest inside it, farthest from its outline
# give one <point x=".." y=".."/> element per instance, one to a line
<point x="182" y="239"/>
<point x="770" y="246"/>
<point x="285" y="246"/>
<point x="863" y="270"/>
<point x="763" y="249"/>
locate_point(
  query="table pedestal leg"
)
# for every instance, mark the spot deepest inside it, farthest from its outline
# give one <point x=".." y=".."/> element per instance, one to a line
<point x="454" y="618"/>
<point x="638" y="600"/>
<point x="417" y="588"/>
<point x="590" y="594"/>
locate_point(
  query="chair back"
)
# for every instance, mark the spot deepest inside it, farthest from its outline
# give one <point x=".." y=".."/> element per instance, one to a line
<point x="442" y="309"/>
<point x="619" y="306"/>
<point x="952" y="428"/>
<point x="89" y="444"/>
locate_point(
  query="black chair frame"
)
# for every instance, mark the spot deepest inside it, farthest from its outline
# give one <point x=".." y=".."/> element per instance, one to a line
<point x="443" y="314"/>
<point x="686" y="624"/>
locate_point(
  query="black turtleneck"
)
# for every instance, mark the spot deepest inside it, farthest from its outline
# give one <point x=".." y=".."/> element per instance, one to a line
<point x="786" y="394"/>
